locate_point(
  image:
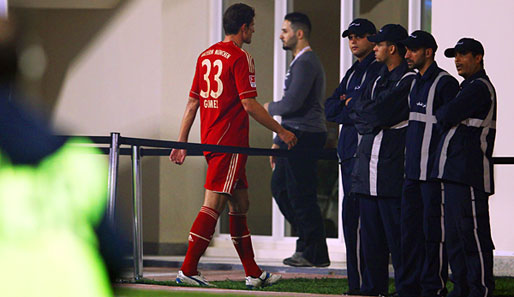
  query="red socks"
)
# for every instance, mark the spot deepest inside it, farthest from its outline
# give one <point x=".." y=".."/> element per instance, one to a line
<point x="199" y="238"/>
<point x="243" y="243"/>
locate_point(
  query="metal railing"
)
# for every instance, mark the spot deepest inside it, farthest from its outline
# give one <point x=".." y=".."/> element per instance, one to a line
<point x="162" y="148"/>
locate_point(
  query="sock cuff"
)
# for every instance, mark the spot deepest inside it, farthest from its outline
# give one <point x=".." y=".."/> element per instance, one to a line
<point x="210" y="212"/>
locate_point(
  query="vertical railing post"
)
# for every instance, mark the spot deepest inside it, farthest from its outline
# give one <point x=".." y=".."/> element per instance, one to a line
<point x="138" y="213"/>
<point x="112" y="186"/>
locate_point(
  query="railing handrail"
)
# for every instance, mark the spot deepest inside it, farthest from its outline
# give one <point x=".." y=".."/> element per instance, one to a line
<point x="162" y="148"/>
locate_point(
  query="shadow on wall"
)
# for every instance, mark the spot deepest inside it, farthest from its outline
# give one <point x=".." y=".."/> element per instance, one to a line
<point x="64" y="34"/>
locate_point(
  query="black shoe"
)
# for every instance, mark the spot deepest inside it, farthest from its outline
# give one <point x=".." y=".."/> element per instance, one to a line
<point x="297" y="261"/>
<point x="300" y="261"/>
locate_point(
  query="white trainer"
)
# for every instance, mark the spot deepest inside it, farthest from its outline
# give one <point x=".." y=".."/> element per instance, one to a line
<point x="266" y="279"/>
<point x="195" y="280"/>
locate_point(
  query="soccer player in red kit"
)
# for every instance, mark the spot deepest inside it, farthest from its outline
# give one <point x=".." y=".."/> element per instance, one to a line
<point x="224" y="89"/>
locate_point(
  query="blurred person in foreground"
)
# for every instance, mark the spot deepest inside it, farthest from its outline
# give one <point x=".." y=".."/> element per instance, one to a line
<point x="52" y="194"/>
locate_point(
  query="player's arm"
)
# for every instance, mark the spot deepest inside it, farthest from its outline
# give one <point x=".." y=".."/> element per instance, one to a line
<point x="179" y="155"/>
<point x="256" y="111"/>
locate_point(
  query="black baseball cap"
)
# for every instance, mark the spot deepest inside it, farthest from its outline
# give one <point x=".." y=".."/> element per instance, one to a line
<point x="465" y="45"/>
<point x="420" y="39"/>
<point x="390" y="32"/>
<point x="360" y="27"/>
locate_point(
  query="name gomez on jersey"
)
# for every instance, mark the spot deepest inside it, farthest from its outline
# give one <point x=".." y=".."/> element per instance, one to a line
<point x="225" y="74"/>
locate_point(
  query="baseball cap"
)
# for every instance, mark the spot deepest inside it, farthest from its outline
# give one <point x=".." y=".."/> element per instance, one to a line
<point x="390" y="32"/>
<point x="360" y="27"/>
<point x="465" y="45"/>
<point x="420" y="39"/>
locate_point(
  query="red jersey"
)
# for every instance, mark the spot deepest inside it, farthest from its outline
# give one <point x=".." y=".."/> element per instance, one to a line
<point x="224" y="75"/>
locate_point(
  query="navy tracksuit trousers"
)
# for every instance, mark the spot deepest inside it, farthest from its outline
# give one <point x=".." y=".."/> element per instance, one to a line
<point x="469" y="243"/>
<point x="424" y="259"/>
<point x="380" y="229"/>
<point x="355" y="265"/>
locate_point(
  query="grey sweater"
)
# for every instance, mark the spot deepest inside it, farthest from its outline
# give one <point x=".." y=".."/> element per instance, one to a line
<point x="301" y="107"/>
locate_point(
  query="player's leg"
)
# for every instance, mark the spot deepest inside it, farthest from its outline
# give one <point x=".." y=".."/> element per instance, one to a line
<point x="218" y="180"/>
<point x="200" y="237"/>
<point x="238" y="207"/>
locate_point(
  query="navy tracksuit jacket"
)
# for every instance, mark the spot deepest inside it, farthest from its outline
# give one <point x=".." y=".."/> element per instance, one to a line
<point x="381" y="117"/>
<point x="352" y="84"/>
<point x="424" y="261"/>
<point x="463" y="161"/>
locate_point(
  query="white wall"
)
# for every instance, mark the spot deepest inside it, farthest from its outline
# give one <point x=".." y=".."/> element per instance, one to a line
<point x="115" y="84"/>
<point x="491" y="23"/>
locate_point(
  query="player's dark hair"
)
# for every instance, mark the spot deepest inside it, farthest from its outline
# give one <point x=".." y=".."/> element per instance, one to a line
<point x="237" y="15"/>
<point x="399" y="47"/>
<point x="300" y="21"/>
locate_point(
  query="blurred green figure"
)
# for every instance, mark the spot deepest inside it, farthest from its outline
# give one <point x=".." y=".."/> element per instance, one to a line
<point x="52" y="195"/>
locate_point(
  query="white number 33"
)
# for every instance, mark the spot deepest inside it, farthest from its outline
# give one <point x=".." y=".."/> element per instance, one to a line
<point x="219" y="65"/>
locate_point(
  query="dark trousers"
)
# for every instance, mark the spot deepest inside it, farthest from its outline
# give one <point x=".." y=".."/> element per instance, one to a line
<point x="355" y="264"/>
<point x="424" y="260"/>
<point x="469" y="243"/>
<point x="380" y="230"/>
<point x="294" y="187"/>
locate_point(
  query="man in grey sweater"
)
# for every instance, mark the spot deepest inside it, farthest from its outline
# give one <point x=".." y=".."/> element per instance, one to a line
<point x="294" y="179"/>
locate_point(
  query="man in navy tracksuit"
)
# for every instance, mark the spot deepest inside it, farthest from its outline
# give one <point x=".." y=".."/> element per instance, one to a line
<point x="337" y="108"/>
<point x="381" y="116"/>
<point x="424" y="260"/>
<point x="464" y="163"/>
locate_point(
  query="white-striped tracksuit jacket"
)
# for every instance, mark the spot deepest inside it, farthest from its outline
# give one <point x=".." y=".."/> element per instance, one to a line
<point x="380" y="117"/>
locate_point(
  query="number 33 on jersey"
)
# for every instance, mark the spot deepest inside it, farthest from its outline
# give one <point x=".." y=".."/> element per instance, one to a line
<point x="225" y="74"/>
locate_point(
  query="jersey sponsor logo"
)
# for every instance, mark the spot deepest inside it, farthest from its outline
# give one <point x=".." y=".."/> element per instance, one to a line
<point x="252" y="81"/>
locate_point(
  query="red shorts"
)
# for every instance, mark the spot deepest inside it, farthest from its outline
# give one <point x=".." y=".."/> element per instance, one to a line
<point x="225" y="172"/>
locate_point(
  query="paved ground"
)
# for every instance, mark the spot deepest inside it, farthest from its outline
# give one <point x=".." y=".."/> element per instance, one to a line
<point x="222" y="292"/>
<point x="215" y="269"/>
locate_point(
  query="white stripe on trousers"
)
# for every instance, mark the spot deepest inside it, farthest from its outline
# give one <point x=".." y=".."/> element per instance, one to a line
<point x="373" y="163"/>
<point x="475" y="230"/>
<point x="441" y="244"/>
<point x="358" y="251"/>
